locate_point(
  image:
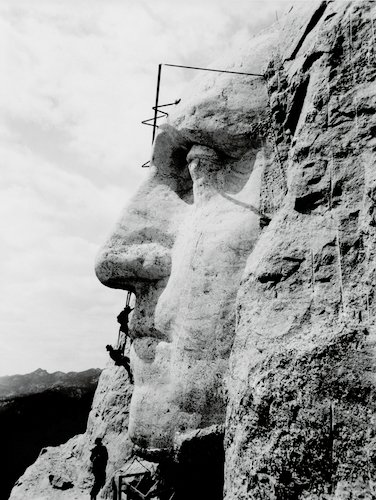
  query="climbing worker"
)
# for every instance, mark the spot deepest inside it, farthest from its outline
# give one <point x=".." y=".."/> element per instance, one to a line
<point x="98" y="458"/>
<point x="123" y="319"/>
<point x="120" y="360"/>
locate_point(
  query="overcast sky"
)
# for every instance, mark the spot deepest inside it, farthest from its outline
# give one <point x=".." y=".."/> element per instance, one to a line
<point x="77" y="78"/>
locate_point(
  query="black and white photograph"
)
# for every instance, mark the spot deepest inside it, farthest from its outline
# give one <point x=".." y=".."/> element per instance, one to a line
<point x="188" y="250"/>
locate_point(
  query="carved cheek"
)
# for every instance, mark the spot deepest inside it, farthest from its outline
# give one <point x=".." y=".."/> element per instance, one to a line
<point x="206" y="179"/>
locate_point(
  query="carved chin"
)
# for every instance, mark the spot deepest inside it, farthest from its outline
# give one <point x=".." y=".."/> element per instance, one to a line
<point x="162" y="414"/>
<point x="152" y="418"/>
<point x="158" y="428"/>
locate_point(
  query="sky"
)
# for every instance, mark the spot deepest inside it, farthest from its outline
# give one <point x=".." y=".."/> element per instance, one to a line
<point x="78" y="77"/>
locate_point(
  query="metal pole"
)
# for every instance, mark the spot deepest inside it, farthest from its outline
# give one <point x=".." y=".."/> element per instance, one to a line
<point x="331" y="446"/>
<point x="156" y="101"/>
<point x="340" y="272"/>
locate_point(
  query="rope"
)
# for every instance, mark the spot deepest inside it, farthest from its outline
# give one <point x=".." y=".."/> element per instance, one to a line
<point x="118" y="340"/>
<point x="129" y="295"/>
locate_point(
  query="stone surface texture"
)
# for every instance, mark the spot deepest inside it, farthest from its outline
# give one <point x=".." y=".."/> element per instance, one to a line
<point x="301" y="412"/>
<point x="69" y="464"/>
<point x="251" y="251"/>
<point x="40" y="409"/>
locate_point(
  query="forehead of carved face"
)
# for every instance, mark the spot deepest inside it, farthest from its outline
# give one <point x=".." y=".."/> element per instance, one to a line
<point x="181" y="246"/>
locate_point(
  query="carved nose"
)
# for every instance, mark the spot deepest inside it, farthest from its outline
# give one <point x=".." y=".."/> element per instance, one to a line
<point x="137" y="258"/>
<point x="138" y="250"/>
<point x="122" y="265"/>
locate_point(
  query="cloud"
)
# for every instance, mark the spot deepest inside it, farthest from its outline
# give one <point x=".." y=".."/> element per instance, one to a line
<point x="53" y="223"/>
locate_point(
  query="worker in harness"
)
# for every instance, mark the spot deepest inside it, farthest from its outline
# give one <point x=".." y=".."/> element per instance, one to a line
<point x="120" y="360"/>
<point x="123" y="319"/>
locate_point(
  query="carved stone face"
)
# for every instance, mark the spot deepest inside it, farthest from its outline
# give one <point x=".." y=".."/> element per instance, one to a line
<point x="181" y="246"/>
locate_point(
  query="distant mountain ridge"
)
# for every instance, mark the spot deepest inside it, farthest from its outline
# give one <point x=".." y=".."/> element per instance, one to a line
<point x="38" y="410"/>
<point x="41" y="380"/>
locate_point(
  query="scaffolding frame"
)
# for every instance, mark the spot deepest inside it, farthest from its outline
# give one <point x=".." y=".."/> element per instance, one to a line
<point x="132" y="491"/>
<point x="158" y="113"/>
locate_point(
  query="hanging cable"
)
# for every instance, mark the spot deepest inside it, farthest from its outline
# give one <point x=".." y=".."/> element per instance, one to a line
<point x="129" y="295"/>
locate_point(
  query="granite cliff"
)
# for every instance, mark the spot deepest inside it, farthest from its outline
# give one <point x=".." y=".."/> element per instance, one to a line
<point x="251" y="252"/>
<point x="40" y="409"/>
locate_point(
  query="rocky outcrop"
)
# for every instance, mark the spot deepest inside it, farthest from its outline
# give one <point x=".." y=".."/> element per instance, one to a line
<point x="40" y="409"/>
<point x="251" y="249"/>
<point x="64" y="472"/>
<point x="301" y="414"/>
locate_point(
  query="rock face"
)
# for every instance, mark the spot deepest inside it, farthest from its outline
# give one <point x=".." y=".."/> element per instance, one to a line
<point x="182" y="244"/>
<point x="250" y="249"/>
<point x="40" y="409"/>
<point x="301" y="413"/>
<point x="64" y="472"/>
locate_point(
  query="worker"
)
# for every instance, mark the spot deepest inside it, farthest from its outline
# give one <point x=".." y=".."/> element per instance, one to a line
<point x="98" y="458"/>
<point x="120" y="360"/>
<point x="123" y="319"/>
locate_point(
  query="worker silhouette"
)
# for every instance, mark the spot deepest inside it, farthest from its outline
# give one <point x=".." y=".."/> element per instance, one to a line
<point x="98" y="458"/>
<point x="123" y="319"/>
<point x="120" y="360"/>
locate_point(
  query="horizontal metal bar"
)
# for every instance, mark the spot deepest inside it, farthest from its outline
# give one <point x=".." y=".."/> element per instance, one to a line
<point x="162" y="115"/>
<point x="169" y="104"/>
<point x="215" y="70"/>
<point x="146" y="122"/>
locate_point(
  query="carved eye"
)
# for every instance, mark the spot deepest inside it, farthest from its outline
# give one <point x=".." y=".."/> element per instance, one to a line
<point x="205" y="153"/>
<point x="224" y="173"/>
<point x="203" y="161"/>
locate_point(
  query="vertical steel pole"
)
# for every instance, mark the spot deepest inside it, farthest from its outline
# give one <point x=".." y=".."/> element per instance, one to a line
<point x="331" y="446"/>
<point x="340" y="272"/>
<point x="156" y="101"/>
